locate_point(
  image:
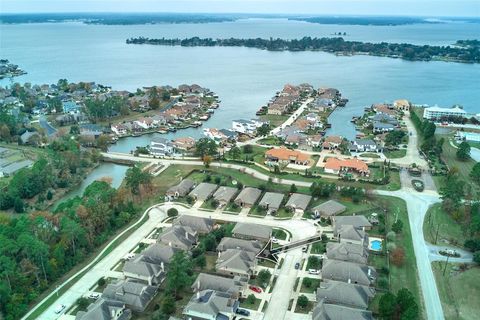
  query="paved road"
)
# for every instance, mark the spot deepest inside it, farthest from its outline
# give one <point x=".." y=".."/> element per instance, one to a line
<point x="465" y="256"/>
<point x="417" y="205"/>
<point x="49" y="129"/>
<point x="412" y="156"/>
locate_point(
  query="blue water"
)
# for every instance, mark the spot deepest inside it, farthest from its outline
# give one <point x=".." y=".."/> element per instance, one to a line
<point x="244" y="78"/>
<point x="376" y="245"/>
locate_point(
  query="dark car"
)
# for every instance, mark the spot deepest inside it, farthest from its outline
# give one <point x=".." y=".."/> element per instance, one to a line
<point x="297" y="265"/>
<point x="243" y="312"/>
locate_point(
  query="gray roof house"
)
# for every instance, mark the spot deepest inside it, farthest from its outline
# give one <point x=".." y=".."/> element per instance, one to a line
<point x="328" y="209"/>
<point x="350" y="234"/>
<point x="356" y="221"/>
<point x="298" y="202"/>
<point x="181" y="189"/>
<point x="159" y="253"/>
<point x="140" y="269"/>
<point x="346" y="294"/>
<point x="248" y="196"/>
<point x="348" y="272"/>
<point x="179" y="237"/>
<point x="203" y="191"/>
<point x="347" y="252"/>
<point x="224" y="195"/>
<point x="199" y="224"/>
<point x="250" y="231"/>
<point x="234" y="286"/>
<point x="234" y="262"/>
<point x="271" y="201"/>
<point x="27" y="135"/>
<point x="211" y="305"/>
<point x="325" y="311"/>
<point x="233" y="243"/>
<point x="135" y="295"/>
<point x="103" y="309"/>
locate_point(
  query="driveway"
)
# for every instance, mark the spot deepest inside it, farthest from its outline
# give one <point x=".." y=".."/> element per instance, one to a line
<point x="465" y="256"/>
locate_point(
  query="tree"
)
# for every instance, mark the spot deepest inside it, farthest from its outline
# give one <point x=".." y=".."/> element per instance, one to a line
<point x="178" y="275"/>
<point x="103" y="141"/>
<point x="248" y="148"/>
<point x="406" y="301"/>
<point x="207" y="160"/>
<point x="387" y="305"/>
<point x="251" y="299"/>
<point x="135" y="177"/>
<point x="307" y="282"/>
<point x="234" y="153"/>
<point x="168" y="304"/>
<point x="428" y="129"/>
<point x="476" y="257"/>
<point x="18" y="205"/>
<point x="394" y="138"/>
<point x="205" y="146"/>
<point x="101" y="282"/>
<point x="475" y="173"/>
<point x="398" y="256"/>
<point x="463" y="151"/>
<point x="302" y="301"/>
<point x="293" y="188"/>
<point x="263" y="277"/>
<point x="263" y="130"/>
<point x="4" y="133"/>
<point x="82" y="303"/>
<point x="397" y="226"/>
<point x="172" y="212"/>
<point x="314" y="262"/>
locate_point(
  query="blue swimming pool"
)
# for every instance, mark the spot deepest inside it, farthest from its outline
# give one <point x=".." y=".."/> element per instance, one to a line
<point x="376" y="245"/>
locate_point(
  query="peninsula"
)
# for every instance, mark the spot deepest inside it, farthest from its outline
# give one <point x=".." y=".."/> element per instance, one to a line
<point x="336" y="45"/>
<point x="9" y="70"/>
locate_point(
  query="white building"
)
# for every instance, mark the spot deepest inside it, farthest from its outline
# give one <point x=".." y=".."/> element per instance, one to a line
<point x="247" y="126"/>
<point x="436" y="112"/>
<point x="161" y="147"/>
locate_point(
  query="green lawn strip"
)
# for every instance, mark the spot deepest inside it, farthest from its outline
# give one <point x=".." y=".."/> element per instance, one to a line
<point x="315" y="283"/>
<point x="395" y="154"/>
<point x="254" y="306"/>
<point x="448" y="229"/>
<point x="318" y="248"/>
<point x="275" y="120"/>
<point x="279" y="234"/>
<point x="458" y="290"/>
<point x="47" y="303"/>
<point x="284" y="213"/>
<point x="257" y="211"/>
<point x="370" y="155"/>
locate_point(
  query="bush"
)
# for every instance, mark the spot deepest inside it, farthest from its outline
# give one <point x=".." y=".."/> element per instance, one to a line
<point x="476" y="257"/>
<point x="391" y="235"/>
<point x="168" y="304"/>
<point x="172" y="212"/>
<point x="391" y="246"/>
<point x="307" y="282"/>
<point x="251" y="299"/>
<point x="263" y="277"/>
<point x="383" y="282"/>
<point x="302" y="301"/>
<point x="398" y="256"/>
<point x="83" y="303"/>
<point x="18" y="205"/>
<point x="101" y="282"/>
<point x="397" y="226"/>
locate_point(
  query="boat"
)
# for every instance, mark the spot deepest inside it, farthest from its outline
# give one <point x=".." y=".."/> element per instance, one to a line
<point x="196" y="124"/>
<point x="162" y="131"/>
<point x="204" y="117"/>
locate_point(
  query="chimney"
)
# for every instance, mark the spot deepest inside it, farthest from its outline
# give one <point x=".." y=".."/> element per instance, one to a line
<point x="169" y="243"/>
<point x="186" y="234"/>
<point x="162" y="266"/>
<point x="198" y="294"/>
<point x="113" y="313"/>
<point x="198" y="285"/>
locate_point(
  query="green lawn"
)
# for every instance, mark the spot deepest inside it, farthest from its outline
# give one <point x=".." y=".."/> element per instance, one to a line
<point x="318" y="248"/>
<point x="448" y="228"/>
<point x="370" y="155"/>
<point x="315" y="283"/>
<point x="395" y="154"/>
<point x="253" y="306"/>
<point x="279" y="234"/>
<point x="257" y="211"/>
<point x="275" y="120"/>
<point x="459" y="291"/>
<point x="284" y="213"/>
<point x="270" y="140"/>
<point x="307" y="309"/>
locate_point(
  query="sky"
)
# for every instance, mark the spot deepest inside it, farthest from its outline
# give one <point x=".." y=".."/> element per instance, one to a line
<point x="432" y="8"/>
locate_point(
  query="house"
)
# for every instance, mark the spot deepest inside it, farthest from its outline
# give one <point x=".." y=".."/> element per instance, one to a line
<point x="30" y="137"/>
<point x="248" y="197"/>
<point x="332" y="142"/>
<point x="179" y="237"/>
<point x="326" y="311"/>
<point x="236" y="262"/>
<point x="140" y="269"/>
<point x="104" y="309"/>
<point x="348" y="272"/>
<point x="211" y="305"/>
<point x="235" y="286"/>
<point x="296" y="139"/>
<point x="381" y="127"/>
<point x="119" y="129"/>
<point x="70" y="107"/>
<point x="358" y="221"/>
<point x="134" y="295"/>
<point x="384" y="109"/>
<point x="224" y="195"/>
<point x="298" y="202"/>
<point x="347" y="252"/>
<point x="328" y="209"/>
<point x="181" y="189"/>
<point x="314" y="140"/>
<point x="435" y="113"/>
<point x="322" y="104"/>
<point x="91" y="130"/>
<point x="184" y="143"/>
<point x="351" y="234"/>
<point x="226" y="243"/>
<point x="402" y="105"/>
<point x="161" y="147"/>
<point x="364" y="145"/>
<point x="250" y="231"/>
<point x="198" y="224"/>
<point x="345" y="294"/>
<point x="283" y="155"/>
<point x="247" y="126"/>
<point x="159" y="253"/>
<point x="203" y="191"/>
<point x="145" y="123"/>
<point x="338" y="166"/>
<point x="271" y="201"/>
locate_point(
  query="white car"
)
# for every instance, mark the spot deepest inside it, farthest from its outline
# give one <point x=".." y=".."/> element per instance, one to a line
<point x="59" y="308"/>
<point x="313" y="271"/>
<point x="274" y="240"/>
<point x="94" y="295"/>
<point x="130" y="256"/>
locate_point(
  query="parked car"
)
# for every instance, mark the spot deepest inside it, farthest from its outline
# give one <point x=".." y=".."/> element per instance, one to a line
<point x="256" y="289"/>
<point x="297" y="265"/>
<point x="94" y="295"/>
<point x="304" y="249"/>
<point x="130" y="256"/>
<point x="243" y="312"/>
<point x="313" y="271"/>
<point x="274" y="240"/>
<point x="59" y="308"/>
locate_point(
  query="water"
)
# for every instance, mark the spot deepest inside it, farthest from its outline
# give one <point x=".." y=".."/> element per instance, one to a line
<point x="244" y="78"/>
<point x="114" y="172"/>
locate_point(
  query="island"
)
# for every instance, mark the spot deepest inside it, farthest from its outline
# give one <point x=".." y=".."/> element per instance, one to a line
<point x="336" y="45"/>
<point x="9" y="70"/>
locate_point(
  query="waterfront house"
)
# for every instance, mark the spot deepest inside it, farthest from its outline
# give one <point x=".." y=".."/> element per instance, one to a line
<point x="134" y="295"/>
<point x="328" y="209"/>
<point x="119" y="129"/>
<point x="298" y="202"/>
<point x="283" y="155"/>
<point x="383" y="108"/>
<point x="198" y="224"/>
<point x="161" y="147"/>
<point x="105" y="309"/>
<point x="248" y="197"/>
<point x="235" y="286"/>
<point x="224" y="195"/>
<point x="364" y="145"/>
<point x="247" y="126"/>
<point x="250" y="231"/>
<point x="382" y="127"/>
<point x="349" y="252"/>
<point x="402" y="105"/>
<point x="235" y="262"/>
<point x="326" y="311"/>
<point x="203" y="191"/>
<point x="332" y="142"/>
<point x="348" y="272"/>
<point x="211" y="305"/>
<point x="145" y="123"/>
<point x="271" y="201"/>
<point x="181" y="189"/>
<point x="184" y="143"/>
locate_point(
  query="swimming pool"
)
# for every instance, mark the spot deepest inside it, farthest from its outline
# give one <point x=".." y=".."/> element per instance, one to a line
<point x="470" y="136"/>
<point x="376" y="245"/>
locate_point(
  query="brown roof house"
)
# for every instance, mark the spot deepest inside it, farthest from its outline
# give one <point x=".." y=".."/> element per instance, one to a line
<point x="347" y="252"/>
<point x="235" y="286"/>
<point x="250" y="231"/>
<point x="348" y="272"/>
<point x="345" y="294"/>
<point x="298" y="202"/>
<point x="328" y="209"/>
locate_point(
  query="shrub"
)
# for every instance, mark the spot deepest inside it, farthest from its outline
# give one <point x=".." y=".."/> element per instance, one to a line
<point x="307" y="282"/>
<point x="172" y="212"/>
<point x="391" y="235"/>
<point x="302" y="301"/>
<point x="101" y="282"/>
<point x="83" y="303"/>
<point x="391" y="246"/>
<point x="383" y="282"/>
<point x="251" y="299"/>
<point x="397" y="226"/>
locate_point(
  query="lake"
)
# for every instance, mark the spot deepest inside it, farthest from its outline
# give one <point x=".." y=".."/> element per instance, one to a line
<point x="244" y="78"/>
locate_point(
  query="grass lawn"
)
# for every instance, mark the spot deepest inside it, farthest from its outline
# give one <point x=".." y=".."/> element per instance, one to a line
<point x="395" y="154"/>
<point x="315" y="283"/>
<point x="370" y="155"/>
<point x="170" y="177"/>
<point x="232" y="207"/>
<point x="257" y="211"/>
<point x="270" y="140"/>
<point x="448" y="229"/>
<point x="252" y="306"/>
<point x="284" y="213"/>
<point x="307" y="309"/>
<point x="266" y="263"/>
<point x="208" y="204"/>
<point x="279" y="234"/>
<point x="318" y="248"/>
<point x="211" y="260"/>
<point x="275" y="120"/>
<point x="459" y="291"/>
